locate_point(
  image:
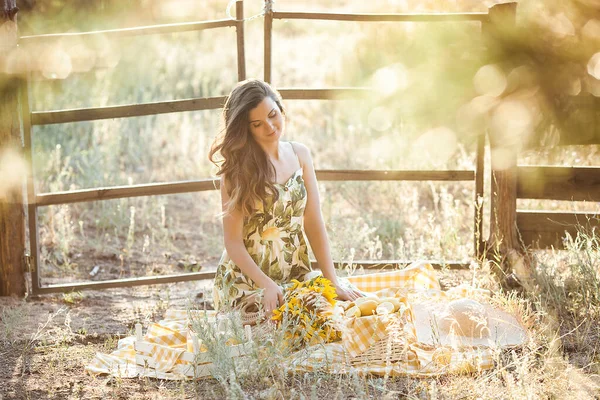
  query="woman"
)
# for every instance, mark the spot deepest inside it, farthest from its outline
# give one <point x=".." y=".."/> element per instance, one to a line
<point x="269" y="195"/>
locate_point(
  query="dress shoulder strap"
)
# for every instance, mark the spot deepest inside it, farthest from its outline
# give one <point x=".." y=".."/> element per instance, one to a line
<point x="296" y="154"/>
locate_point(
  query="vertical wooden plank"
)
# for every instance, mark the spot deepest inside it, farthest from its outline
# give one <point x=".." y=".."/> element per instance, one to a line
<point x="12" y="218"/>
<point x="268" y="36"/>
<point x="32" y="210"/>
<point x="239" y="30"/>
<point x="513" y="268"/>
<point x="479" y="170"/>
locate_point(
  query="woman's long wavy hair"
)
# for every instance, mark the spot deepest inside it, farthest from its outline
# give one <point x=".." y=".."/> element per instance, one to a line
<point x="243" y="163"/>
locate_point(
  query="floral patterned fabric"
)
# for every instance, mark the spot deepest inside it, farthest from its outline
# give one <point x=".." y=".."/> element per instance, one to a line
<point x="274" y="238"/>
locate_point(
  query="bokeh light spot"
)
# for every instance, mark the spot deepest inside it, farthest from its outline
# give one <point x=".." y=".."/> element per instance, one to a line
<point x="380" y="119"/>
<point x="593" y="66"/>
<point x="82" y="58"/>
<point x="107" y="55"/>
<point x="13" y="170"/>
<point x="592" y="86"/>
<point x="436" y="145"/>
<point x="591" y="29"/>
<point x="18" y="62"/>
<point x="573" y="87"/>
<point x="521" y="77"/>
<point x="55" y="63"/>
<point x="177" y="9"/>
<point x="490" y="80"/>
<point x="483" y="104"/>
<point x="386" y="148"/>
<point x="388" y="80"/>
<point x="511" y="122"/>
<point x="561" y="25"/>
<point x="502" y="158"/>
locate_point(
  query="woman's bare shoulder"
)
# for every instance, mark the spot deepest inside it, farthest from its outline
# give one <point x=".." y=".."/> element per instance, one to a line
<point x="303" y="152"/>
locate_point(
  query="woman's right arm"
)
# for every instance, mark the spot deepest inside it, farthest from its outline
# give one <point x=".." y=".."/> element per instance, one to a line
<point x="233" y="223"/>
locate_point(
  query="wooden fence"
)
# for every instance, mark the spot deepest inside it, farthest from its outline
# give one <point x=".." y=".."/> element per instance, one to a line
<point x="543" y="229"/>
<point x="30" y="119"/>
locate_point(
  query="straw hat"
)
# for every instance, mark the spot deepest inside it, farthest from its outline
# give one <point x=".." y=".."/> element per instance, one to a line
<point x="466" y="322"/>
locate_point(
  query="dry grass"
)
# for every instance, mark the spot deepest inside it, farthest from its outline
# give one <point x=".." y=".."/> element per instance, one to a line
<point x="559" y="361"/>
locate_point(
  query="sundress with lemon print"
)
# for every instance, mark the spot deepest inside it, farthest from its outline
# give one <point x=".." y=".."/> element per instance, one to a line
<point x="274" y="238"/>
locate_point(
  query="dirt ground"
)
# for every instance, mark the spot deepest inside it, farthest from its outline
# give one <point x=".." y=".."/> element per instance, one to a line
<point x="46" y="341"/>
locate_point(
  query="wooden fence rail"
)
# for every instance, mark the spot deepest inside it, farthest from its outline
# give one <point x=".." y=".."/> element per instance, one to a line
<point x="172" y="106"/>
<point x="544" y="229"/>
<point x="559" y="183"/>
<point x="124" y="32"/>
<point x="408" y="17"/>
<point x="159" y="189"/>
<point x="379" y="265"/>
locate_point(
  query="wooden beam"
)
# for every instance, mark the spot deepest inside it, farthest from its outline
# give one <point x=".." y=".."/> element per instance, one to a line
<point x="127" y="282"/>
<point x="159" y="189"/>
<point x="343" y="93"/>
<point x="478" y="201"/>
<point x="267" y="45"/>
<point x="12" y="212"/>
<point x="32" y="211"/>
<point x="382" y="265"/>
<point x="374" y="175"/>
<point x="504" y="148"/>
<point x="431" y="17"/>
<point x="239" y="31"/>
<point x="137" y="31"/>
<point x="119" y="192"/>
<point x="544" y="229"/>
<point x="164" y="107"/>
<point x="131" y="110"/>
<point x="559" y="183"/>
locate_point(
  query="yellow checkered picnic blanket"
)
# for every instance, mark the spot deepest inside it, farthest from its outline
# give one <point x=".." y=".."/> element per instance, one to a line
<point x="418" y="282"/>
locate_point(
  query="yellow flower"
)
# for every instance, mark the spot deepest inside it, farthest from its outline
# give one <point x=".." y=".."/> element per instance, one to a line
<point x="308" y="308"/>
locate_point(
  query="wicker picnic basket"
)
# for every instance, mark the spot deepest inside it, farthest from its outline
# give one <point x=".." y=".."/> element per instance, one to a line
<point x="386" y="351"/>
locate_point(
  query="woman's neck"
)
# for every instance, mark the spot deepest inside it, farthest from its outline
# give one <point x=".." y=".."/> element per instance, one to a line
<point x="272" y="150"/>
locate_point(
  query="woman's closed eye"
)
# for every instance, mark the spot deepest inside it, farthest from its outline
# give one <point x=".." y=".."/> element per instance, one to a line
<point x="271" y="115"/>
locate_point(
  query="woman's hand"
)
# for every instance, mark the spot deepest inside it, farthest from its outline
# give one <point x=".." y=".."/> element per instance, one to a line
<point x="272" y="298"/>
<point x="347" y="293"/>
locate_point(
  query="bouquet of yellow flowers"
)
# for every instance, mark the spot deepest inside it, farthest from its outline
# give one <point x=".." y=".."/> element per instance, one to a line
<point x="307" y="311"/>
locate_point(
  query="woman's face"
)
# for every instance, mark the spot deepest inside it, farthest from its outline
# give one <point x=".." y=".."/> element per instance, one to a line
<point x="266" y="121"/>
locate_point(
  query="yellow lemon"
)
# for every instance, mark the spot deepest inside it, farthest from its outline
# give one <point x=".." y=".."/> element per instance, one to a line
<point x="385" y="307"/>
<point x="353" y="311"/>
<point x="368" y="307"/>
<point x="394" y="301"/>
<point x="361" y="300"/>
<point x="270" y="234"/>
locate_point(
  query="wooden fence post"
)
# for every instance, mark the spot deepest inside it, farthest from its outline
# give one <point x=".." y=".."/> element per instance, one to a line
<point x="239" y="30"/>
<point x="268" y="36"/>
<point x="503" y="243"/>
<point x="12" y="215"/>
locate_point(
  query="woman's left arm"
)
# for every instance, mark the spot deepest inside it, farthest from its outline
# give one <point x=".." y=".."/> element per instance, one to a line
<point x="315" y="227"/>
